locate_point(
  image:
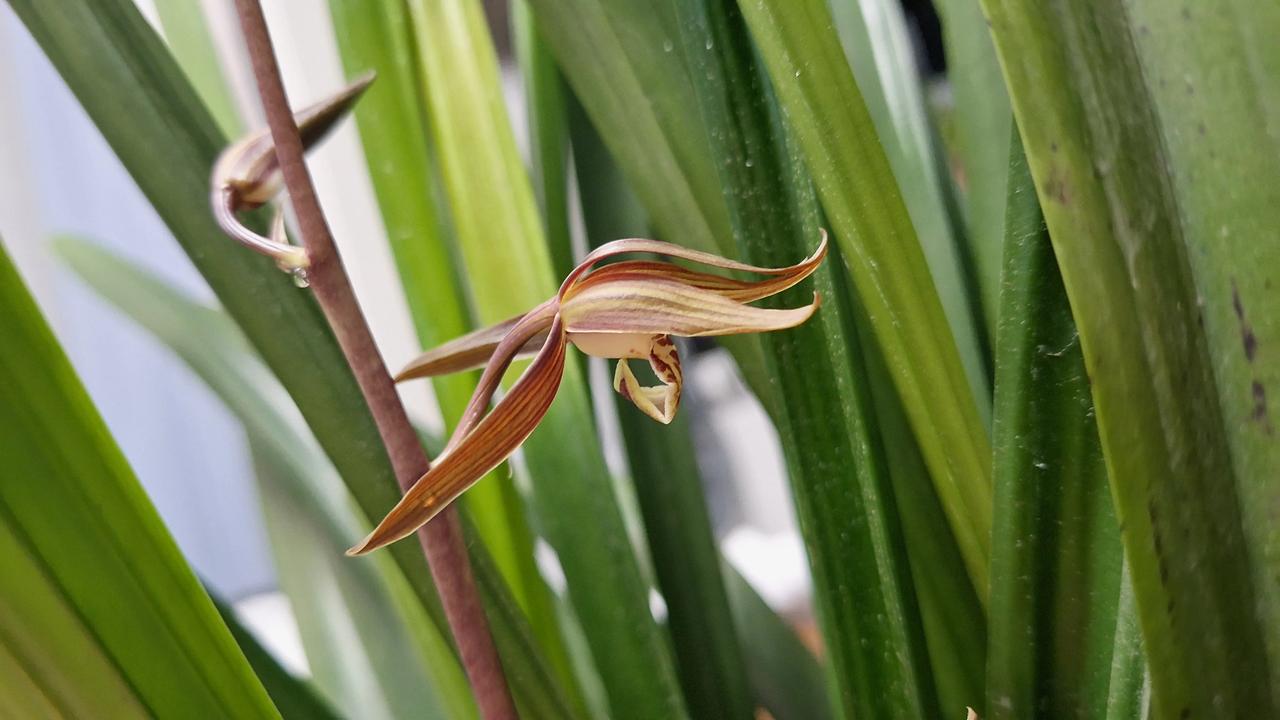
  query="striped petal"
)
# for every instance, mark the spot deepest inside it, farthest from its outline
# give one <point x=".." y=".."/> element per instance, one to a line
<point x="658" y="402"/>
<point x="473" y="452"/>
<point x="795" y="273"/>
<point x="655" y="306"/>
<point x="469" y="351"/>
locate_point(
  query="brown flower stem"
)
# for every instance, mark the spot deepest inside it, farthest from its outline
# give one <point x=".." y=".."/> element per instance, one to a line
<point x="441" y="539"/>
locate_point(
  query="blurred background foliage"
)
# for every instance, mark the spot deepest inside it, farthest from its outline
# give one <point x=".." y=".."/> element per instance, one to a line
<point x="1026" y="451"/>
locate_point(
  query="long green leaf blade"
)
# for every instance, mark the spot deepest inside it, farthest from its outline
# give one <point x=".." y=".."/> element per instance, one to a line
<point x="74" y="520"/>
<point x="880" y="250"/>
<point x="1105" y="179"/>
<point x="1056" y="556"/>
<point x="847" y="517"/>
<point x="295" y="699"/>
<point x="875" y="38"/>
<point x="982" y="120"/>
<point x="1211" y="71"/>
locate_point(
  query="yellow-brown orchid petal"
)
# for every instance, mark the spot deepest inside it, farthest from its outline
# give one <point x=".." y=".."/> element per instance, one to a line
<point x="477" y="451"/>
<point x="666" y="307"/>
<point x="469" y="351"/>
<point x="658" y="247"/>
<point x="661" y="402"/>
<point x="732" y="288"/>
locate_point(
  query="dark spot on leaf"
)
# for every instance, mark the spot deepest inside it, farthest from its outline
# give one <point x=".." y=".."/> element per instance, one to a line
<point x="1260" y="405"/>
<point x="1186" y="13"/>
<point x="1200" y="128"/>
<point x="1055" y="187"/>
<point x="1247" y="338"/>
<point x="1186" y="713"/>
<point x="1053" y="147"/>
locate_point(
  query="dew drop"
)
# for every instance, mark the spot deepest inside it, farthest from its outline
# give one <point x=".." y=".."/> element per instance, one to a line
<point x="668" y="46"/>
<point x="709" y="44"/>
<point x="300" y="278"/>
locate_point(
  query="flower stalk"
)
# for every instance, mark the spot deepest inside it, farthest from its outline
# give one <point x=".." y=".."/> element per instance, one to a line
<point x="442" y="541"/>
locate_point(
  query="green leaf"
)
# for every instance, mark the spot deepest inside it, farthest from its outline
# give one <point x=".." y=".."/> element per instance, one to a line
<point x="982" y="121"/>
<point x="368" y="650"/>
<point x="295" y="699"/>
<point x="1107" y="177"/>
<point x="547" y="116"/>
<point x="625" y="63"/>
<point x="137" y="96"/>
<point x="863" y="598"/>
<point x="880" y="249"/>
<point x="97" y="597"/>
<point x="1056" y="556"/>
<point x="186" y="31"/>
<point x="687" y="565"/>
<point x="785" y="678"/>
<point x="571" y="499"/>
<point x="875" y="38"/>
<point x="1211" y="72"/>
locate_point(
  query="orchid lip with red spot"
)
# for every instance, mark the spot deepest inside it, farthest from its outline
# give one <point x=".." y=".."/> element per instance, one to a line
<point x="625" y="310"/>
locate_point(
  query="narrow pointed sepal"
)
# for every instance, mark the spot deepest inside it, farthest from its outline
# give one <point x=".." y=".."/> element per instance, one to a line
<point x="470" y="456"/>
<point x="468" y="352"/>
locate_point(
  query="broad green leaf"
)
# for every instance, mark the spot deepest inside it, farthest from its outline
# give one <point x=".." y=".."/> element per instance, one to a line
<point x="982" y="120"/>
<point x="1056" y="556"/>
<point x="880" y="51"/>
<point x="844" y="502"/>
<point x="393" y="128"/>
<point x="294" y="698"/>
<point x="571" y="500"/>
<point x="97" y="597"/>
<point x="1212" y="71"/>
<point x="368" y="651"/>
<point x="819" y="97"/>
<point x="1107" y="179"/>
<point x="139" y="99"/>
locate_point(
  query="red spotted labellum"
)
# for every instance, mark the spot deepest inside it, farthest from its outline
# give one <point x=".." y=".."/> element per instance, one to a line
<point x="626" y="310"/>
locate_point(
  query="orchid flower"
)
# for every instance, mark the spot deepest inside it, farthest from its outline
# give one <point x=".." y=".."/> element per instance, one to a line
<point x="247" y="176"/>
<point x="625" y="310"/>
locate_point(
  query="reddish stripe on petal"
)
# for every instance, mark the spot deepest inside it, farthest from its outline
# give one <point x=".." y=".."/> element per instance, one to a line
<point x="666" y="307"/>
<point x="640" y="245"/>
<point x="477" y="452"/>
